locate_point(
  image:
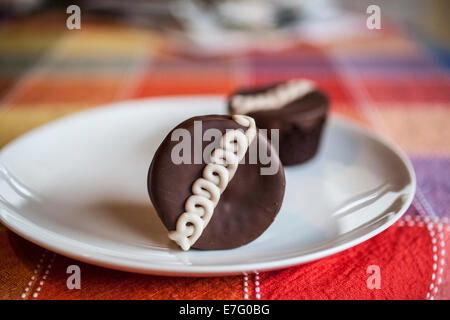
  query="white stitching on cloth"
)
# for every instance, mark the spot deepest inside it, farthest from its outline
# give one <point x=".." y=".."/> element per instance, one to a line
<point x="44" y="277"/>
<point x="245" y="286"/>
<point x="34" y="276"/>
<point x="435" y="228"/>
<point x="257" y="282"/>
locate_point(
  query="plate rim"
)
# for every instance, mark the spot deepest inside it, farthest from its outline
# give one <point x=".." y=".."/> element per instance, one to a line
<point x="31" y="231"/>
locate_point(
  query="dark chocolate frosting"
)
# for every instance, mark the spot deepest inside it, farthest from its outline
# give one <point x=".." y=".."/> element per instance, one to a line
<point x="302" y="112"/>
<point x="246" y="207"/>
<point x="300" y="123"/>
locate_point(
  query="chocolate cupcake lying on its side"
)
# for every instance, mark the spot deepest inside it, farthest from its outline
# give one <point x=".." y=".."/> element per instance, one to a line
<point x="213" y="193"/>
<point x="297" y="108"/>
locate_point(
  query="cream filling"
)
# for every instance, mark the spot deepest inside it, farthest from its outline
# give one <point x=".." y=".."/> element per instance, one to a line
<point x="274" y="98"/>
<point x="216" y="175"/>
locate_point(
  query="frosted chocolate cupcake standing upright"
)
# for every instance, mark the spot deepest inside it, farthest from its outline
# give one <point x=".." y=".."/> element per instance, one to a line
<point x="297" y="108"/>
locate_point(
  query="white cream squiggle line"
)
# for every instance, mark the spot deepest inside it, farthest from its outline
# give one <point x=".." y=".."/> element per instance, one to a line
<point x="274" y="98"/>
<point x="215" y="178"/>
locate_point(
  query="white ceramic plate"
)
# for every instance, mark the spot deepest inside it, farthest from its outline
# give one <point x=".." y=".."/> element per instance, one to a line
<point x="77" y="186"/>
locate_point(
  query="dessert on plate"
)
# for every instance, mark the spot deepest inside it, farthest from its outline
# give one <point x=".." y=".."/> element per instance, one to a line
<point x="297" y="108"/>
<point x="210" y="186"/>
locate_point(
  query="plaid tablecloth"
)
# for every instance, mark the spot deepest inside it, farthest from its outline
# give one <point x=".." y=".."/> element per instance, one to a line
<point x="384" y="80"/>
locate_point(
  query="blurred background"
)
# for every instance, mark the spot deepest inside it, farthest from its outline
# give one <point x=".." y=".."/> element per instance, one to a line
<point x="202" y="20"/>
<point x="394" y="78"/>
<point x="138" y="48"/>
<point x="134" y="49"/>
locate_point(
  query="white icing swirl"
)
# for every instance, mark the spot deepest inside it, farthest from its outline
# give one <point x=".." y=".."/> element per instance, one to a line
<point x="216" y="175"/>
<point x="274" y="98"/>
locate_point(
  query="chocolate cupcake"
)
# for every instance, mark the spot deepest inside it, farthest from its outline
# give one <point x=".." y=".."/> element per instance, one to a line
<point x="297" y="108"/>
<point x="209" y="186"/>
